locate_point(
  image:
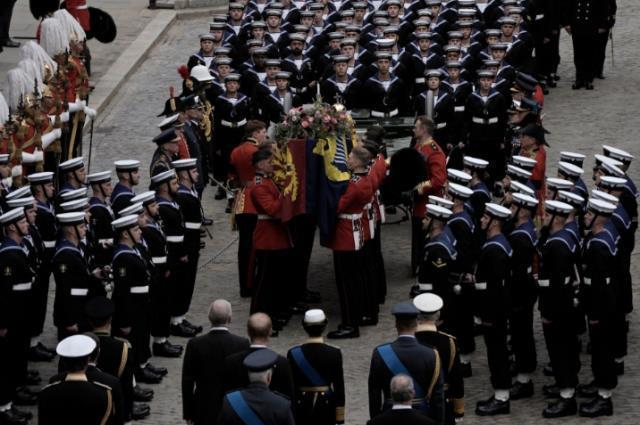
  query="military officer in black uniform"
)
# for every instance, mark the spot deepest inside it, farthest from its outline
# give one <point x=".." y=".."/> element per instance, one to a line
<point x="167" y="149"/>
<point x="317" y="375"/>
<point x="15" y="330"/>
<point x="256" y="403"/>
<point x="407" y="355"/>
<point x="101" y="217"/>
<point x="491" y="282"/>
<point x="302" y="68"/>
<point x="128" y="172"/>
<point x="557" y="308"/>
<point x="93" y="402"/>
<point x="430" y="305"/>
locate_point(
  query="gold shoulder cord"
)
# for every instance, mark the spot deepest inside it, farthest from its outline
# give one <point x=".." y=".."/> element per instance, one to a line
<point x="107" y="413"/>
<point x="123" y="359"/>
<point x="436" y="374"/>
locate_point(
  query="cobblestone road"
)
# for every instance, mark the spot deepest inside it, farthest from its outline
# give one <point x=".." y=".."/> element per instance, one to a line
<point x="579" y="121"/>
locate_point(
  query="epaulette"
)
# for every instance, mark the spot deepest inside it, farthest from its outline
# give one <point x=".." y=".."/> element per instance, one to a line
<point x="123" y="340"/>
<point x="447" y="335"/>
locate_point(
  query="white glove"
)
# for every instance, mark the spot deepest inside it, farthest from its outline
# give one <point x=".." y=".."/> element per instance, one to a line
<point x="64" y="117"/>
<point x="90" y="112"/>
<point x="28" y="158"/>
<point x="15" y="172"/>
<point x="75" y="106"/>
<point x="7" y="182"/>
<point x="52" y="119"/>
<point x="39" y="155"/>
<point x="51" y="137"/>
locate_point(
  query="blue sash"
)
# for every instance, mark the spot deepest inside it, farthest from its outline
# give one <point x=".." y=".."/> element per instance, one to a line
<point x="394" y="364"/>
<point x="309" y="372"/>
<point x="242" y="409"/>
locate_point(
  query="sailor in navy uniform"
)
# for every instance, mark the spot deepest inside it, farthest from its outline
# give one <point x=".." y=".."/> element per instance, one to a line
<point x="274" y="33"/>
<point x="555" y="185"/>
<point x="205" y="55"/>
<point x="15" y="298"/>
<point x="302" y="69"/>
<point x="476" y="168"/>
<point x="558" y="309"/>
<point x="491" y="282"/>
<point x="573" y="173"/>
<point x="418" y="61"/>
<point x="191" y="209"/>
<point x="317" y="373"/>
<point x="406" y="355"/>
<point x="430" y="305"/>
<point x="442" y="108"/>
<point x="629" y="196"/>
<point x="167" y="147"/>
<point x="264" y="88"/>
<point x="280" y="98"/>
<point x="73" y="173"/>
<point x="128" y="172"/>
<point x="598" y="293"/>
<point x="341" y="87"/>
<point x="460" y="89"/>
<point x="523" y="239"/>
<point x="75" y="284"/>
<point x="166" y="187"/>
<point x="93" y="401"/>
<point x="101" y="217"/>
<point x="256" y="403"/>
<point x="386" y="95"/>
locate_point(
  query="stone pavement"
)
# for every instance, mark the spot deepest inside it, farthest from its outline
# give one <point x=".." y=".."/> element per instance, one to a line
<point x="579" y="121"/>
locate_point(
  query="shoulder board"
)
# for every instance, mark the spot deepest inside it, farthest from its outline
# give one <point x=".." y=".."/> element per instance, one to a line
<point x="447" y="335"/>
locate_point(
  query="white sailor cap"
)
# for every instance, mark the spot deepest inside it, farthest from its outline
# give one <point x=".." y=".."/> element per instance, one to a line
<point x="4" y="158"/>
<point x="43" y="177"/>
<point x="610" y="169"/>
<point x="385" y="43"/>
<point x="612" y="182"/>
<point x="75" y="205"/>
<point x="74" y="194"/>
<point x="101" y="177"/>
<point x="168" y="121"/>
<point x="135" y="208"/>
<point x="146" y="198"/>
<point x="127" y="165"/>
<point x="70" y="218"/>
<point x="314" y="316"/>
<point x="559" y="184"/>
<point x="12" y="216"/>
<point x="438" y="200"/>
<point x="475" y="163"/>
<point x="125" y="222"/>
<point x="557" y="207"/>
<point x="20" y="192"/>
<point x="163" y="176"/>
<point x="76" y="346"/>
<point x="458" y="176"/>
<point x="567" y="169"/>
<point x="24" y="202"/>
<point x="497" y="211"/>
<point x="439" y="213"/>
<point x="572" y="158"/>
<point x="459" y="191"/>
<point x="599" y="194"/>
<point x="600" y="159"/>
<point x="600" y="207"/>
<point x="428" y="303"/>
<point x="617" y="153"/>
<point x="515" y="171"/>
<point x="524" y="162"/>
<point x="184" y="164"/>
<point x="517" y="187"/>
<point x="72" y="164"/>
<point x="524" y="200"/>
<point x="571" y="198"/>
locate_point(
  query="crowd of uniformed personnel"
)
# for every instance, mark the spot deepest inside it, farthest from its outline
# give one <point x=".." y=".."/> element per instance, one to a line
<point x="491" y="236"/>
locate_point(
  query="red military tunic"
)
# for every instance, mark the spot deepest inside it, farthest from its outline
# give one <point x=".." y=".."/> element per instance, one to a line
<point x="348" y="232"/>
<point x="436" y="170"/>
<point x="80" y="11"/>
<point x="270" y="232"/>
<point x="243" y="172"/>
<point x="378" y="172"/>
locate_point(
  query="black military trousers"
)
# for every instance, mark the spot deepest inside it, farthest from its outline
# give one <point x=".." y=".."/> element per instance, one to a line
<point x="350" y="281"/>
<point x="186" y="285"/>
<point x="246" y="224"/>
<point x="603" y="40"/>
<point x="303" y="232"/>
<point x="272" y="291"/>
<point x="461" y="323"/>
<point x="14" y="347"/>
<point x="495" y="338"/>
<point x="313" y="408"/>
<point x="585" y="53"/>
<point x="140" y="334"/>
<point x="380" y="271"/>
<point x="418" y="236"/>
<point x="6" y="12"/>
<point x="370" y="287"/>
<point x="562" y="345"/>
<point x="40" y="294"/>
<point x="160" y="294"/>
<point x="523" y="343"/>
<point x="602" y="357"/>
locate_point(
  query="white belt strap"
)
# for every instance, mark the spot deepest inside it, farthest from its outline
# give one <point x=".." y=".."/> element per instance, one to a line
<point x="175" y="239"/>
<point x="481" y="286"/>
<point x="482" y="121"/>
<point x="106" y="241"/>
<point x="379" y="114"/>
<point x="459" y="108"/>
<point x="22" y="286"/>
<point x="79" y="292"/>
<point x="543" y="283"/>
<point x="539" y="16"/>
<point x="441" y="125"/>
<point x="425" y="286"/>
<point x="159" y="260"/>
<point x="265" y="217"/>
<point x="419" y="80"/>
<point x="231" y="124"/>
<point x="192" y="225"/>
<point x="139" y="289"/>
<point x="350" y="216"/>
<point x="49" y="244"/>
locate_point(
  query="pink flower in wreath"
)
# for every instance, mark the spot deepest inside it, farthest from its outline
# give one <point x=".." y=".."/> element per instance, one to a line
<point x="305" y="124"/>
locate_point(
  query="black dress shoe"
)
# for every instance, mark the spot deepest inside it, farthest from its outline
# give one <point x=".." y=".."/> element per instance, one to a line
<point x="196" y="328"/>
<point x="520" y="390"/>
<point x="465" y="368"/>
<point x="166" y="349"/>
<point x="588" y="85"/>
<point x="368" y="321"/>
<point x="587" y="390"/>
<point x="562" y="407"/>
<point x="577" y="85"/>
<point x="207" y="221"/>
<point x="599" y="406"/>
<point x="183" y="330"/>
<point x="140" y="411"/>
<point x="25" y="397"/>
<point x="312" y="297"/>
<point x="547" y="370"/>
<point x="142" y="394"/>
<point x="492" y="407"/>
<point x="344" y="333"/>
<point x="145" y="376"/>
<point x="11" y="43"/>
<point x="38" y="354"/>
<point x="11" y="417"/>
<point x="551" y="391"/>
<point x="158" y="370"/>
<point x="619" y="366"/>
